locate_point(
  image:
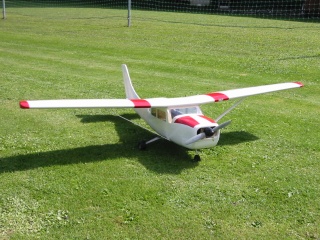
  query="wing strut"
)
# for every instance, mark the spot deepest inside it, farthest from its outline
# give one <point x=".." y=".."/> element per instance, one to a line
<point x="230" y="109"/>
<point x="153" y="132"/>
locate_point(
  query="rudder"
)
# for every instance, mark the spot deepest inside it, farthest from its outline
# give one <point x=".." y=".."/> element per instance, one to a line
<point x="130" y="92"/>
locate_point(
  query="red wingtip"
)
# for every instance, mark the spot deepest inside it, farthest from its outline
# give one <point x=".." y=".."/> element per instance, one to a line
<point x="299" y="83"/>
<point x="24" y="104"/>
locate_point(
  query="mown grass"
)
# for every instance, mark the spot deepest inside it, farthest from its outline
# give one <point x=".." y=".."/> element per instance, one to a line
<point x="77" y="173"/>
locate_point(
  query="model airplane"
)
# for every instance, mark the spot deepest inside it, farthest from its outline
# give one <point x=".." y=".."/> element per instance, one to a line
<point x="179" y="120"/>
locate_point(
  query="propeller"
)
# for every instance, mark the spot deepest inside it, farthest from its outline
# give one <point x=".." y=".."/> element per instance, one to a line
<point x="207" y="132"/>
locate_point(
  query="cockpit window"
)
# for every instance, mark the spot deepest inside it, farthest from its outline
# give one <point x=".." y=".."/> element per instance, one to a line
<point x="167" y="114"/>
<point x="179" y="111"/>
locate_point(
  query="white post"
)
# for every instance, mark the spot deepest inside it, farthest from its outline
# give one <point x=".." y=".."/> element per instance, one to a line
<point x="129" y="13"/>
<point x="4" y="9"/>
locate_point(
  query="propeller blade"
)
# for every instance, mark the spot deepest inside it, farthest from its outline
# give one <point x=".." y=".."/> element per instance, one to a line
<point x="222" y="125"/>
<point x="208" y="132"/>
<point x="196" y="138"/>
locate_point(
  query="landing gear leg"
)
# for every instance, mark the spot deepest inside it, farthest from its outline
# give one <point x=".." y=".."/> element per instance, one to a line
<point x="143" y="144"/>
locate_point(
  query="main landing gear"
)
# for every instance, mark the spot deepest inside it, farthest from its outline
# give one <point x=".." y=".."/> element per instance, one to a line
<point x="143" y="144"/>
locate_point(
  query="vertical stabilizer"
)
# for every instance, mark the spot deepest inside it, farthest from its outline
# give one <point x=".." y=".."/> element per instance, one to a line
<point x="130" y="92"/>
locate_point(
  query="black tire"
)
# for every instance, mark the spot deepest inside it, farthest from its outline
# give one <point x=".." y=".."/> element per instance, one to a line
<point x="142" y="145"/>
<point x="197" y="158"/>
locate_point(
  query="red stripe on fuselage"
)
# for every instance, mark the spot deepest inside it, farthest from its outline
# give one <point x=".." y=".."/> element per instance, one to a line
<point x="140" y="103"/>
<point x="187" y="120"/>
<point x="207" y="118"/>
<point x="218" y="97"/>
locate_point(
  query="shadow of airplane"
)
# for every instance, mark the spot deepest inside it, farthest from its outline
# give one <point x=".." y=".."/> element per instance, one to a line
<point x="236" y="137"/>
<point x="228" y="138"/>
<point x="164" y="156"/>
<point x="168" y="162"/>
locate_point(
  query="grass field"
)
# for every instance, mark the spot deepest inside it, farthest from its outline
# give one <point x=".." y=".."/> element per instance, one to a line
<point x="77" y="174"/>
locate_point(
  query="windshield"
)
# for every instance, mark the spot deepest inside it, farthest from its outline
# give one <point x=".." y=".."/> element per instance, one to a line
<point x="189" y="110"/>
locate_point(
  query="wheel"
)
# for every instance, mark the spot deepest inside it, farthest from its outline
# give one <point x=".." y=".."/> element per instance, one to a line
<point x="196" y="158"/>
<point x="142" y="145"/>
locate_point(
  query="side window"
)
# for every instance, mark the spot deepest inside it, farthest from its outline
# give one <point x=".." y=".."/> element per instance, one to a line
<point x="154" y="112"/>
<point x="159" y="113"/>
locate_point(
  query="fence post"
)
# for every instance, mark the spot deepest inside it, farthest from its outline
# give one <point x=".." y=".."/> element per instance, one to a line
<point x="129" y="13"/>
<point x="4" y="9"/>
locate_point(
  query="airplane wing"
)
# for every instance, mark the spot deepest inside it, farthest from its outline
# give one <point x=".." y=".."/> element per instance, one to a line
<point x="86" y="103"/>
<point x="159" y="102"/>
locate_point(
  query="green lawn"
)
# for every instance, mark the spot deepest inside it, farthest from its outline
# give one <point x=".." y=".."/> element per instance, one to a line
<point x="77" y="174"/>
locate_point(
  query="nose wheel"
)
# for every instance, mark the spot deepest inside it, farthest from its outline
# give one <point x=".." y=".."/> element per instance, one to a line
<point x="197" y="158"/>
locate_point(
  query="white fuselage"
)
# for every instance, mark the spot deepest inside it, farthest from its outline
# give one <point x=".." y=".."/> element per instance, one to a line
<point x="179" y="125"/>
